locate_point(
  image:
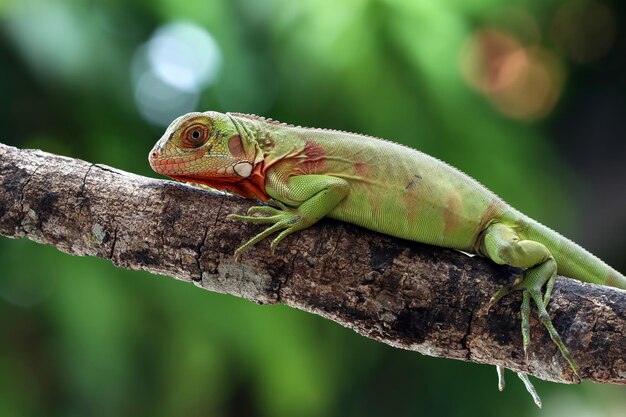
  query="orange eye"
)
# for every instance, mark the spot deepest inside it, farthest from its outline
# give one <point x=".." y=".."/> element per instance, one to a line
<point x="195" y="136"/>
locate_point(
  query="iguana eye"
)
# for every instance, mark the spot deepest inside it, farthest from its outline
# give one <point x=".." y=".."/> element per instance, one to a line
<point x="195" y="136"/>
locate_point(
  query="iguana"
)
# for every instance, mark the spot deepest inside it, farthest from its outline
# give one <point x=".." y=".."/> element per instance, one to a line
<point x="305" y="174"/>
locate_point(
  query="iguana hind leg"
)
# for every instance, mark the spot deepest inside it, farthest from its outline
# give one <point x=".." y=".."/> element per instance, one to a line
<point x="524" y="377"/>
<point x="502" y="244"/>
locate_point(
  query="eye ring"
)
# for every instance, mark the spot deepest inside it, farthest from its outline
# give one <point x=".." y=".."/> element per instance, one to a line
<point x="195" y="136"/>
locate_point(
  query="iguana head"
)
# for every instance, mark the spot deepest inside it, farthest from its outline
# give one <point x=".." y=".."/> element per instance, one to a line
<point x="207" y="148"/>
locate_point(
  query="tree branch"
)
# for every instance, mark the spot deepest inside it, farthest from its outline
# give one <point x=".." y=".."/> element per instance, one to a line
<point x="407" y="295"/>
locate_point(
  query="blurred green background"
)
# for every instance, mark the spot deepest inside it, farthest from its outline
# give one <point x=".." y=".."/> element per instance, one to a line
<point x="527" y="96"/>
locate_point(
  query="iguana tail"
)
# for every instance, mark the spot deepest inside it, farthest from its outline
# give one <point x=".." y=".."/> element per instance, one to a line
<point x="572" y="260"/>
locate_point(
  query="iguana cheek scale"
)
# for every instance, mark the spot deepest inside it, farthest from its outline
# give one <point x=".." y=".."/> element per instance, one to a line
<point x="307" y="174"/>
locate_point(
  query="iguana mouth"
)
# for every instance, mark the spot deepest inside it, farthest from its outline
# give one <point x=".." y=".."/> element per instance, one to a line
<point x="172" y="164"/>
<point x="251" y="187"/>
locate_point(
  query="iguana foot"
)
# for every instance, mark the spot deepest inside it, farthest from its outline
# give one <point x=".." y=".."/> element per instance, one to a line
<point x="530" y="388"/>
<point x="531" y="289"/>
<point x="501" y="381"/>
<point x="524" y="377"/>
<point x="282" y="218"/>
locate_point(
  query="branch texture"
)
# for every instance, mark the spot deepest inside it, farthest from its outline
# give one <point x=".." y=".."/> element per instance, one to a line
<point x="405" y="294"/>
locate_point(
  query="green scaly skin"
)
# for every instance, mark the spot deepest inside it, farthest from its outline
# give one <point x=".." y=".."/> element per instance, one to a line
<point x="307" y="174"/>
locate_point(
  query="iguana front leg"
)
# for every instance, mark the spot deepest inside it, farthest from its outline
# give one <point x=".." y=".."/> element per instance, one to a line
<point x="302" y="201"/>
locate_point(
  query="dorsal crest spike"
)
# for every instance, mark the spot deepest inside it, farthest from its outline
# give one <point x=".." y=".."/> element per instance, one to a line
<point x="278" y="123"/>
<point x="262" y="119"/>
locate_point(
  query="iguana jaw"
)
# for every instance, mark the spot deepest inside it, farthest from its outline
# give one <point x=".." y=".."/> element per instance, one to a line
<point x="241" y="178"/>
<point x="252" y="186"/>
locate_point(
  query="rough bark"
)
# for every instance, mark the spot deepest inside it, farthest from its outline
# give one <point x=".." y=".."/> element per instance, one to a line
<point x="405" y="294"/>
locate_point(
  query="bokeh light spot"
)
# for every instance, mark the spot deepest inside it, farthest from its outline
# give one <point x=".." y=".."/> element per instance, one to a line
<point x="160" y="102"/>
<point x="521" y="82"/>
<point x="185" y="56"/>
<point x="170" y="71"/>
<point x="536" y="89"/>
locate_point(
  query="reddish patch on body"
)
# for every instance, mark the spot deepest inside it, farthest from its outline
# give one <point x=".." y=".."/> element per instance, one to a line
<point x="494" y="209"/>
<point x="362" y="169"/>
<point x="412" y="206"/>
<point x="451" y="218"/>
<point x="314" y="160"/>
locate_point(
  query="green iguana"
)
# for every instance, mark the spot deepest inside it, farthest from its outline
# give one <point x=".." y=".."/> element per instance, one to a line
<point x="306" y="174"/>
